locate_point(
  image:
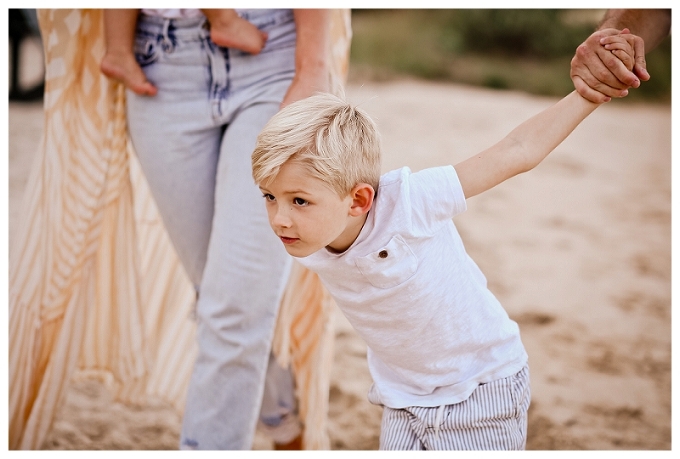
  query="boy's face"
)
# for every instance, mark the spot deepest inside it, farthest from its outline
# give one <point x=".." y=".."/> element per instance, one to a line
<point x="307" y="215"/>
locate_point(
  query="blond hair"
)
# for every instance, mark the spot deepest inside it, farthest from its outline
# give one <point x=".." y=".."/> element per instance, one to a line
<point x="335" y="142"/>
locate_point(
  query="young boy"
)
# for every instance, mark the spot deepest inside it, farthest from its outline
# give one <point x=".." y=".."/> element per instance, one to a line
<point x="448" y="363"/>
<point x="227" y="29"/>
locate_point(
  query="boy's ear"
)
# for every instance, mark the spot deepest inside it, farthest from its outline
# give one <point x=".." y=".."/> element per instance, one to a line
<point x="362" y="199"/>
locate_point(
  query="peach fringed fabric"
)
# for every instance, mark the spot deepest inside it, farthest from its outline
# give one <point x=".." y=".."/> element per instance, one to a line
<point x="95" y="288"/>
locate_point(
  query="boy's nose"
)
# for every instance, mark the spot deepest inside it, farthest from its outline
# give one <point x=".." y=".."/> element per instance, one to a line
<point x="281" y="219"/>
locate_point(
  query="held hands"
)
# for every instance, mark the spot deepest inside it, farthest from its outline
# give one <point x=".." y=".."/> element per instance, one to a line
<point x="607" y="64"/>
<point x="621" y="46"/>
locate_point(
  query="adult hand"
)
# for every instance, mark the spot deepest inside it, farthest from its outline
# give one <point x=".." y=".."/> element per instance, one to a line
<point x="598" y="75"/>
<point x="307" y="83"/>
<point x="312" y="67"/>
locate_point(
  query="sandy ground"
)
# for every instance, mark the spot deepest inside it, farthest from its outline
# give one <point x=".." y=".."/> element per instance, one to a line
<point x="578" y="251"/>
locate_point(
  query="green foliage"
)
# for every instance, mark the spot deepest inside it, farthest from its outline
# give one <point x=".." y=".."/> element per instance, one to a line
<point x="659" y="68"/>
<point x="539" y="33"/>
<point x="495" y="81"/>
<point x="527" y="50"/>
<point x="398" y="41"/>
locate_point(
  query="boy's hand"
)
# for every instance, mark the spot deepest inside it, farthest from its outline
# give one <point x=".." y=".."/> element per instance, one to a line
<point x="621" y="46"/>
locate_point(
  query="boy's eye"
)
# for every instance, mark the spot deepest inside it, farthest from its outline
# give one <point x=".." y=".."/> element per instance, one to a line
<point x="269" y="197"/>
<point x="299" y="202"/>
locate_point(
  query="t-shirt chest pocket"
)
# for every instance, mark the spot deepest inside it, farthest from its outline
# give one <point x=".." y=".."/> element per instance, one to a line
<point x="389" y="266"/>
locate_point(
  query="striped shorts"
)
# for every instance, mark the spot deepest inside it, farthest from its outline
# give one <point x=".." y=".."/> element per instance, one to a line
<point x="494" y="417"/>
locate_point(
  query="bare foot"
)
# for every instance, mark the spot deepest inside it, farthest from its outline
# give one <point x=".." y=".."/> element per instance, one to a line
<point x="238" y="33"/>
<point x="124" y="68"/>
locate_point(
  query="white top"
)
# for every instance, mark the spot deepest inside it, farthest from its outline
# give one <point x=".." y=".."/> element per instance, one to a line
<point x="173" y="13"/>
<point x="434" y="330"/>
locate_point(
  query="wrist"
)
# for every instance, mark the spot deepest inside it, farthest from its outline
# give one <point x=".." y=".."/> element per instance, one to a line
<point x="312" y="65"/>
<point x="313" y="74"/>
<point x="612" y="19"/>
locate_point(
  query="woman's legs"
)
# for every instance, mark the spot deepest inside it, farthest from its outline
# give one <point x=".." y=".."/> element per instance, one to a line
<point x="195" y="151"/>
<point x="243" y="280"/>
<point x="176" y="139"/>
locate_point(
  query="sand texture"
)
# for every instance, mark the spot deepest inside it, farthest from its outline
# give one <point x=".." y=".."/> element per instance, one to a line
<point x="578" y="251"/>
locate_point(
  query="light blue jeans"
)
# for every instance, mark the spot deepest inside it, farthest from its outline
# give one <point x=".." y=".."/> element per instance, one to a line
<point x="194" y="140"/>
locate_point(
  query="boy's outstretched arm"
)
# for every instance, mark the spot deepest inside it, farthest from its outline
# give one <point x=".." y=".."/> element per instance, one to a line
<point x="525" y="147"/>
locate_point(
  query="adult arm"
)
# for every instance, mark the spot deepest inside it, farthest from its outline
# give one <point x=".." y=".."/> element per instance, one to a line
<point x="597" y="75"/>
<point x="312" y="60"/>
<point x="652" y="26"/>
<point x="525" y="147"/>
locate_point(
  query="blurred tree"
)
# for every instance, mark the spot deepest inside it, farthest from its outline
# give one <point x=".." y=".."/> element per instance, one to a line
<point x="526" y="32"/>
<point x="518" y="49"/>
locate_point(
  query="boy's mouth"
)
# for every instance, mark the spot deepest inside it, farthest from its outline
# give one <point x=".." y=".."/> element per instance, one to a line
<point x="288" y="240"/>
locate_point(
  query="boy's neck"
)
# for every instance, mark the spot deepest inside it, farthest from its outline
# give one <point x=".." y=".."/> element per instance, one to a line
<point x="351" y="234"/>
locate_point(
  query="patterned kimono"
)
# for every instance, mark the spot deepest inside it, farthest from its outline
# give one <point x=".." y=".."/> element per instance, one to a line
<point x="95" y="287"/>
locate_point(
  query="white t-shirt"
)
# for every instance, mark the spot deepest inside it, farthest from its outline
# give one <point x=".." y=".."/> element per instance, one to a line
<point x="173" y="13"/>
<point x="434" y="330"/>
